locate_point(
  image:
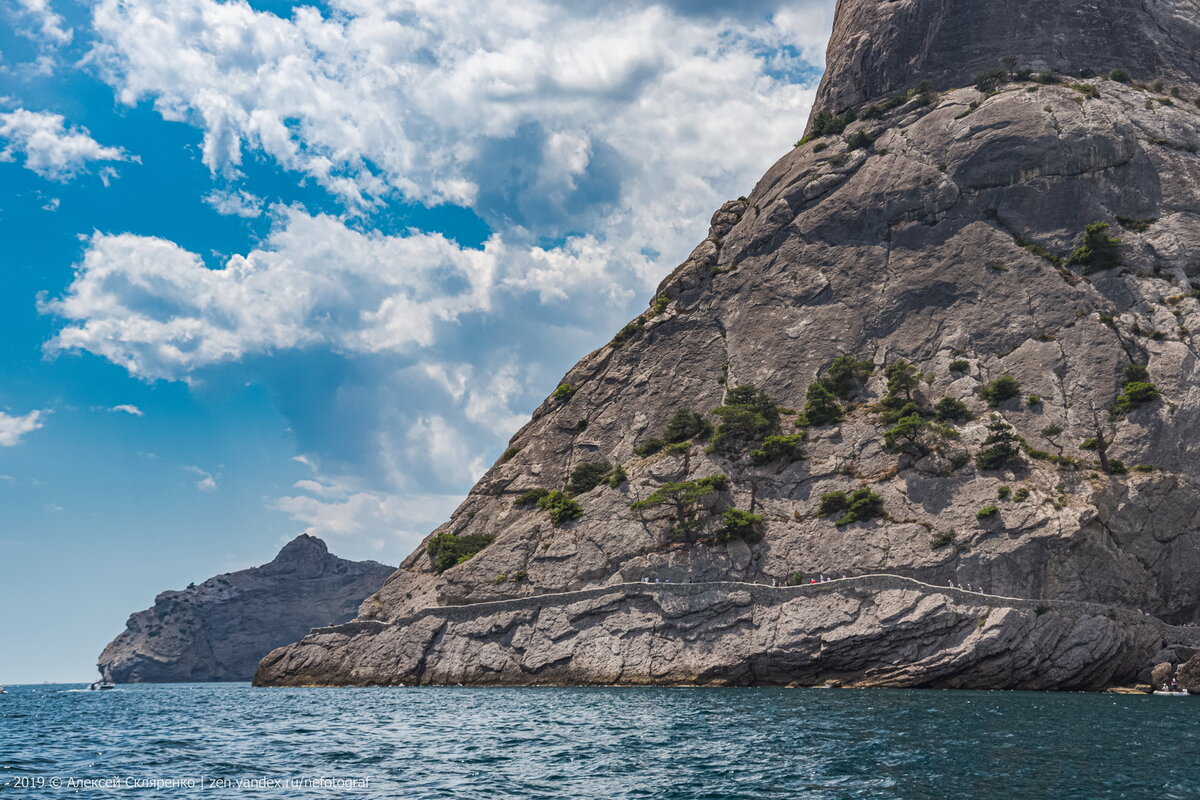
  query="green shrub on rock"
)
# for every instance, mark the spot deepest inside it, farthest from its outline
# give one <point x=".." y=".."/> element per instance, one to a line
<point x="845" y="376"/>
<point x="627" y="333"/>
<point x="864" y="505"/>
<point x="563" y="392"/>
<point x="738" y="524"/>
<point x="530" y="497"/>
<point x="1136" y="393"/>
<point x="685" y="425"/>
<point x="1099" y="250"/>
<point x="617" y="476"/>
<point x="649" y="447"/>
<point x="826" y="123"/>
<point x="448" y="550"/>
<point x="905" y="437"/>
<point x="859" y="140"/>
<point x="990" y="80"/>
<point x="687" y="498"/>
<point x="821" y="406"/>
<point x="560" y="507"/>
<point x="882" y="107"/>
<point x="941" y="539"/>
<point x="950" y="409"/>
<point x="1136" y="390"/>
<point x="588" y="476"/>
<point x="748" y="415"/>
<point x="1134" y="373"/>
<point x="1003" y="388"/>
<point x="1000" y="448"/>
<point x="785" y="449"/>
<point x="859" y="505"/>
<point x="902" y="380"/>
<point x="833" y="502"/>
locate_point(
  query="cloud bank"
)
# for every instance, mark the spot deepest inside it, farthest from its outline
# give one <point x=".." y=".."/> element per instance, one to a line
<point x="591" y="139"/>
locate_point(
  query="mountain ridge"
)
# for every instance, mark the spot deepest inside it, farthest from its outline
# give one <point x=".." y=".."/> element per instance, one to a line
<point x="219" y="629"/>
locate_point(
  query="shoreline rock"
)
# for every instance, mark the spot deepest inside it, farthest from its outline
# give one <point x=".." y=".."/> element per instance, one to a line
<point x="877" y="631"/>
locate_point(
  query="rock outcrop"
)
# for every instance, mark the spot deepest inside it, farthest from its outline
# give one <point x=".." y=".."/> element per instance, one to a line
<point x="1162" y="674"/>
<point x="218" y="630"/>
<point x="880" y="47"/>
<point x="1014" y="270"/>
<point x="1188" y="675"/>
<point x="874" y="631"/>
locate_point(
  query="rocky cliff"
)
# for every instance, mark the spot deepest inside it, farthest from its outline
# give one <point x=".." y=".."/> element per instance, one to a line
<point x="949" y="337"/>
<point x="218" y="630"/>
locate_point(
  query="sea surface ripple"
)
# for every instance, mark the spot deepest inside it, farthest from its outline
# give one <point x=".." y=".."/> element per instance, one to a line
<point x="608" y="744"/>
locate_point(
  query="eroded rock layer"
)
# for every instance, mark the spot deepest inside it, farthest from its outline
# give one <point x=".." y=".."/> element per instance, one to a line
<point x="873" y="631"/>
<point x="947" y="230"/>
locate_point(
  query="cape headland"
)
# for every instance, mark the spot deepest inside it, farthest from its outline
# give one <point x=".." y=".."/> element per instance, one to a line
<point x="218" y="630"/>
<point x="947" y="341"/>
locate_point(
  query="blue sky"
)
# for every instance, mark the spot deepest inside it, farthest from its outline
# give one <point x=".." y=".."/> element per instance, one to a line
<point x="273" y="267"/>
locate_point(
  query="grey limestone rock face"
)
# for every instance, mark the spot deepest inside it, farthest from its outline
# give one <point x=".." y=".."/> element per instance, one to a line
<point x="880" y="47"/>
<point x="876" y="632"/>
<point x="941" y="233"/>
<point x="218" y="630"/>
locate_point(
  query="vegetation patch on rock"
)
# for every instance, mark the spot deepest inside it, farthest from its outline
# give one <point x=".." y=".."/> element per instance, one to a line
<point x="860" y="505"/>
<point x="448" y="550"/>
<point x="688" y="499"/>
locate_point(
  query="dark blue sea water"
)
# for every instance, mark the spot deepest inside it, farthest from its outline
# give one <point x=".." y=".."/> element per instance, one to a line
<point x="595" y="743"/>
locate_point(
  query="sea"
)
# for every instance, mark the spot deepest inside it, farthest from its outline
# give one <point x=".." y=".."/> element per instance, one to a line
<point x="236" y="741"/>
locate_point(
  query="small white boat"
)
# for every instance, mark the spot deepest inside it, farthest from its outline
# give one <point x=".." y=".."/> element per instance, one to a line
<point x="100" y="686"/>
<point x="2" y="690"/>
<point x="1169" y="693"/>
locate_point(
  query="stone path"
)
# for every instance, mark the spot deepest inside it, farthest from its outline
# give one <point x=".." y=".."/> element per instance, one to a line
<point x="765" y="594"/>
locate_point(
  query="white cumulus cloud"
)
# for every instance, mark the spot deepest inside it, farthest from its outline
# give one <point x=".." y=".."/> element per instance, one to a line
<point x="49" y="147"/>
<point x="237" y="202"/>
<point x="50" y="25"/>
<point x="341" y="507"/>
<point x="13" y="427"/>
<point x="157" y="310"/>
<point x="205" y="481"/>
<point x="126" y="408"/>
